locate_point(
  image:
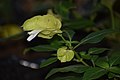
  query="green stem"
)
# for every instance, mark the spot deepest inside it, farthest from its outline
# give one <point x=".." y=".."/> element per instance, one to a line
<point x="68" y="37"/>
<point x="93" y="63"/>
<point x="77" y="45"/>
<point x="80" y="59"/>
<point x="84" y="63"/>
<point x="62" y="38"/>
<point x="67" y="42"/>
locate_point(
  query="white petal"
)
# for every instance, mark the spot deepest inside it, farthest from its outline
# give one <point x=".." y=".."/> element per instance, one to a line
<point x="32" y="34"/>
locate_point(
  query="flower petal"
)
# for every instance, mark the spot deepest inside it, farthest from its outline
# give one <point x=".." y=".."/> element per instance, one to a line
<point x="32" y="34"/>
<point x="64" y="54"/>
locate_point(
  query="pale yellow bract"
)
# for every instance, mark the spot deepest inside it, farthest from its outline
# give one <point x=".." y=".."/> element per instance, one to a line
<point x="45" y="26"/>
<point x="64" y="54"/>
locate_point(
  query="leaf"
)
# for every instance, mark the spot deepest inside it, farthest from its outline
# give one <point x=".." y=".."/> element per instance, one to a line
<point x="56" y="44"/>
<point x="102" y="62"/>
<point x="73" y="68"/>
<point x="48" y="62"/>
<point x="84" y="55"/>
<point x="63" y="8"/>
<point x="115" y="70"/>
<point x="114" y="59"/>
<point x="96" y="37"/>
<point x="96" y="50"/>
<point x="94" y="57"/>
<point x="94" y="73"/>
<point x="74" y="42"/>
<point x="68" y="78"/>
<point x="42" y="48"/>
<point x="108" y="3"/>
<point x="112" y="75"/>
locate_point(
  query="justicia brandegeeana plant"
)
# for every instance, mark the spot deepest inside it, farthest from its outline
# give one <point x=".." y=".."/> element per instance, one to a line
<point x="47" y="26"/>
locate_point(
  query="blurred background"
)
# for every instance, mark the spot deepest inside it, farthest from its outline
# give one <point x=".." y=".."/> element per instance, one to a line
<point x="85" y="16"/>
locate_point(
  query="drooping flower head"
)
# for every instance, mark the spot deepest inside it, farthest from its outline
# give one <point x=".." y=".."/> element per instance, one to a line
<point x="45" y="26"/>
<point x="64" y="54"/>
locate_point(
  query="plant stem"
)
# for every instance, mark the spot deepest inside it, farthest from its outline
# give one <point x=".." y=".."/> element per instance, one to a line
<point x="81" y="60"/>
<point x="62" y="38"/>
<point x="84" y="63"/>
<point x="93" y="63"/>
<point x="68" y="43"/>
<point x="68" y="37"/>
<point x="77" y="45"/>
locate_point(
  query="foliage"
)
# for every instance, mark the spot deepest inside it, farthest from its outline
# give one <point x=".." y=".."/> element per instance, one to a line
<point x="92" y="63"/>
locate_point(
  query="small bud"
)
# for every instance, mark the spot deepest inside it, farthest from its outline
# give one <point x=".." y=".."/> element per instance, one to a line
<point x="64" y="54"/>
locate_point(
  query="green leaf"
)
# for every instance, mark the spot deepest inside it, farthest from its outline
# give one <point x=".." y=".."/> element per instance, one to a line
<point x="73" y="68"/>
<point x="96" y="50"/>
<point x="94" y="73"/>
<point x="114" y="58"/>
<point x="56" y="44"/>
<point x="84" y="55"/>
<point x="42" y="48"/>
<point x="74" y="42"/>
<point x="94" y="57"/>
<point x="112" y="75"/>
<point x="95" y="37"/>
<point x="68" y="78"/>
<point x="48" y="62"/>
<point x="115" y="70"/>
<point x="63" y="7"/>
<point x="108" y="3"/>
<point x="102" y="62"/>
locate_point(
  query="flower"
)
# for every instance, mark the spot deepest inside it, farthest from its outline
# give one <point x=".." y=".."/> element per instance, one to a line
<point x="45" y="26"/>
<point x="64" y="55"/>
